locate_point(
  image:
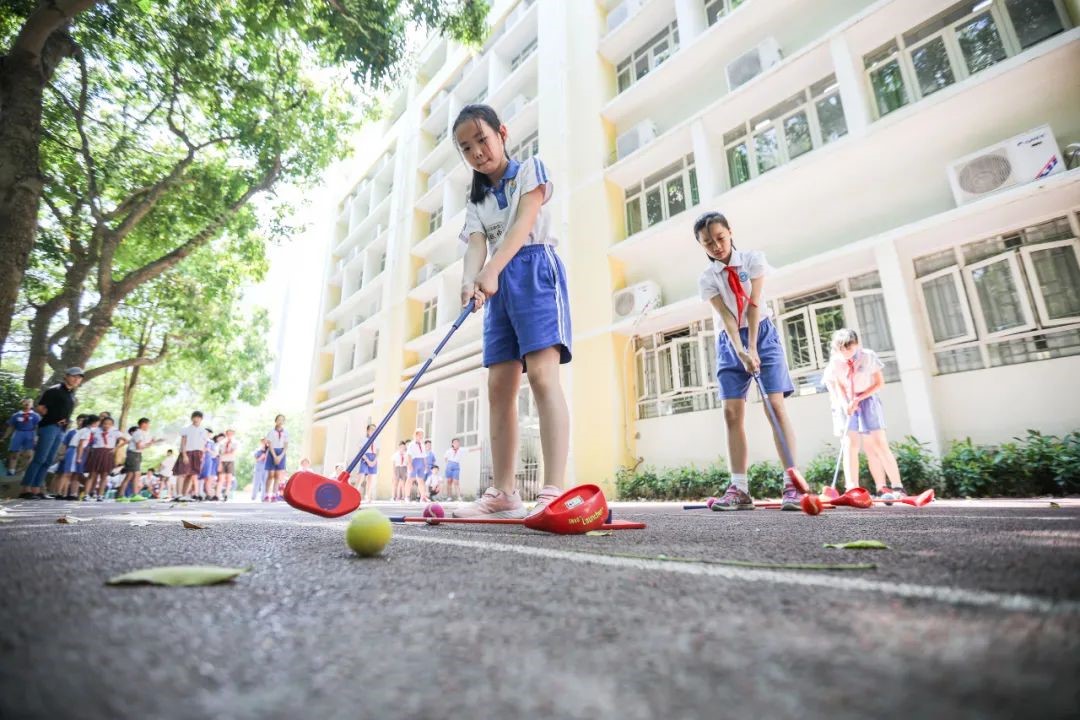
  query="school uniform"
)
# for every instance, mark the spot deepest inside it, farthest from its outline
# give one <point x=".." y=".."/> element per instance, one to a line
<point x="453" y="464"/>
<point x="856" y="376"/>
<point x="430" y="460"/>
<point x="24" y="430"/>
<point x="194" y="438"/>
<point x="417" y="461"/>
<point x="82" y="436"/>
<point x="69" y="463"/>
<point x="103" y="450"/>
<point x="165" y="469"/>
<point x="401" y="465"/>
<point x="209" y="463"/>
<point x="732" y="283"/>
<point x="258" y="485"/>
<point x="369" y="464"/>
<point x="531" y="310"/>
<point x="133" y="459"/>
<point x="228" y="455"/>
<point x="277" y="439"/>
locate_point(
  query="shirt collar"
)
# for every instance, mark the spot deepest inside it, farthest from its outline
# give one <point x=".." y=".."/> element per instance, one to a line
<point x="736" y="260"/>
<point x="499" y="191"/>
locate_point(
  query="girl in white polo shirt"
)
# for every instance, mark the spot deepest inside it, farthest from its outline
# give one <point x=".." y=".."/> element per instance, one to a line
<point x="511" y="266"/>
<point x="747" y="344"/>
<point x="278" y="441"/>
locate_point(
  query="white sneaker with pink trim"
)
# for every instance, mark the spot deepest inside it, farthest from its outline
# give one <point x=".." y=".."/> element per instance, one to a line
<point x="493" y="504"/>
<point x="547" y="495"/>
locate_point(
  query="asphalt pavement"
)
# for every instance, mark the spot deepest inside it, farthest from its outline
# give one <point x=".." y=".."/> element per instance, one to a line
<point x="973" y="612"/>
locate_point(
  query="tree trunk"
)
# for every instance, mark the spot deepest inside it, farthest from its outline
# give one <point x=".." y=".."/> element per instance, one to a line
<point x="132" y="379"/>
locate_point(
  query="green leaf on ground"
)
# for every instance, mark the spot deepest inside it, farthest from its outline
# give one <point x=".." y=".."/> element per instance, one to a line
<point x="859" y="545"/>
<point x="600" y="533"/>
<point x="1055" y="505"/>
<point x="178" y="575"/>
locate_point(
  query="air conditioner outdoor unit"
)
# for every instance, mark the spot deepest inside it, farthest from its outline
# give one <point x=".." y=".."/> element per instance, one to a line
<point x="749" y="65"/>
<point x="642" y="134"/>
<point x="436" y="178"/>
<point x="427" y="272"/>
<point x="515" y="106"/>
<point x="621" y="13"/>
<point x="633" y="301"/>
<point x="1021" y="159"/>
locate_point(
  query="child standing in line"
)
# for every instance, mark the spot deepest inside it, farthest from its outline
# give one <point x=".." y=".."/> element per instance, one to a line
<point x="22" y="426"/>
<point x="69" y="463"/>
<point x="258" y="480"/>
<point x="227" y="471"/>
<point x="369" y="468"/>
<point x="166" y="471"/>
<point x="277" y="443"/>
<point x="401" y="471"/>
<point x="141" y="438"/>
<point x="854" y="376"/>
<point x="511" y="266"/>
<point x="747" y="345"/>
<point x="82" y="450"/>
<point x="104" y="440"/>
<point x="429" y="458"/>
<point x="453" y="470"/>
<point x="192" y="442"/>
<point x="417" y="467"/>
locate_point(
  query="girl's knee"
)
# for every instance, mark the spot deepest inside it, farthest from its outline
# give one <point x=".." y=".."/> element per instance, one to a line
<point x="733" y="413"/>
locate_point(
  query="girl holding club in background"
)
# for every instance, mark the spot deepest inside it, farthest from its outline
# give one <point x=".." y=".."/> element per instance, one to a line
<point x="854" y="376"/>
<point x="747" y="343"/>
<point x="277" y="443"/>
<point x="369" y="468"/>
<point x="511" y="265"/>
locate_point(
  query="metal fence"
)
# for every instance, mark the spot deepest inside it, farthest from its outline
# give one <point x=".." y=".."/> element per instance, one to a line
<point x="530" y="466"/>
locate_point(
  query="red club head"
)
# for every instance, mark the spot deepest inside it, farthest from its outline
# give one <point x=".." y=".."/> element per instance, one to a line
<point x="796" y="478"/>
<point x="320" y="495"/>
<point x="924" y="498"/>
<point x="855" y="497"/>
<point x="811" y="504"/>
<point x="829" y="493"/>
<point x="576" y="511"/>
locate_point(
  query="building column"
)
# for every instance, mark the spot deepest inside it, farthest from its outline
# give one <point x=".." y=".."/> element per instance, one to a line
<point x="852" y="88"/>
<point x="912" y="357"/>
<point x="690" y="15"/>
<point x="706" y="162"/>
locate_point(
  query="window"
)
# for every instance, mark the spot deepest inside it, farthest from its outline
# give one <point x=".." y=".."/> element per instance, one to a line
<point x="425" y="416"/>
<point x="662" y="195"/>
<point x="523" y="55"/>
<point x="468" y="417"/>
<point x="435" y="221"/>
<point x="431" y="311"/>
<point x="527" y="148"/>
<point x="804" y="121"/>
<point x="648" y="57"/>
<point x="1007" y="299"/>
<point x="955" y="44"/>
<point x="674" y="371"/>
<point x="717" y="9"/>
<point x="382" y="262"/>
<point x="374" y="344"/>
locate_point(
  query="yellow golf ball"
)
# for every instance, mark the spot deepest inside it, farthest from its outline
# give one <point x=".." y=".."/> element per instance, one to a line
<point x="368" y="532"/>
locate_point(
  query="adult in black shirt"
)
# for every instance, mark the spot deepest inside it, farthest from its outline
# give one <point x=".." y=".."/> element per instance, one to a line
<point x="55" y="406"/>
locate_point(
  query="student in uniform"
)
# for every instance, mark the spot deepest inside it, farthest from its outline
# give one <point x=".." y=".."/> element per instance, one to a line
<point x="747" y="344"/>
<point x="258" y="480"/>
<point x="227" y="458"/>
<point x="453" y="470"/>
<point x="277" y="442"/>
<point x="66" y="481"/>
<point x="429" y="458"/>
<point x="22" y="426"/>
<point x="511" y="266"/>
<point x="140" y="439"/>
<point x="104" y="440"/>
<point x="192" y="445"/>
<point x="401" y="470"/>
<point x="434" y="481"/>
<point x="82" y="450"/>
<point x="165" y="470"/>
<point x="369" y="468"/>
<point x="417" y="467"/>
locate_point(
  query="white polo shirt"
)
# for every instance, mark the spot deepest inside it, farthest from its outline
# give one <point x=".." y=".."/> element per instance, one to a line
<point x="401" y="459"/>
<point x="750" y="264"/>
<point x="139" y="436"/>
<point x="453" y="455"/>
<point x="496" y="213"/>
<point x="416" y="450"/>
<point x="867" y="364"/>
<point x="100" y="438"/>
<point x="82" y="436"/>
<point x="195" y="437"/>
<point x="277" y="438"/>
<point x="228" y="449"/>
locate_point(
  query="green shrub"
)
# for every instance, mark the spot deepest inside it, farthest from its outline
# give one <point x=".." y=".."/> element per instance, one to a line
<point x="819" y="471"/>
<point x="766" y="479"/>
<point x="919" y="468"/>
<point x="685" y="482"/>
<point x="1050" y="465"/>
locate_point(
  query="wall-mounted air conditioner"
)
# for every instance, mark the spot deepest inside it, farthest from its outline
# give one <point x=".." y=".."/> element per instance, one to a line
<point x="427" y="272"/>
<point x="641" y="135"/>
<point x="515" y="106"/>
<point x="436" y="178"/>
<point x="749" y="65"/>
<point x="1021" y="159"/>
<point x="632" y="301"/>
<point x="621" y="13"/>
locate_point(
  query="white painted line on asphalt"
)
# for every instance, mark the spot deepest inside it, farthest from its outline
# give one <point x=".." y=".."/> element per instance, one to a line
<point x="832" y="581"/>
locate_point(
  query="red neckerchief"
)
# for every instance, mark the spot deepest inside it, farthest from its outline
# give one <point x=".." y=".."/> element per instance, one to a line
<point x="741" y="298"/>
<point x="851" y="374"/>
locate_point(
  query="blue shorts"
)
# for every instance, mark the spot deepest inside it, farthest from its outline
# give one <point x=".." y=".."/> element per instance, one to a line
<point x="418" y="468"/>
<point x="453" y="471"/>
<point x="531" y="310"/>
<point x="367" y="468"/>
<point x="731" y="374"/>
<point x="271" y="465"/>
<point x="870" y="416"/>
<point x="68" y="464"/>
<point x="21" y="441"/>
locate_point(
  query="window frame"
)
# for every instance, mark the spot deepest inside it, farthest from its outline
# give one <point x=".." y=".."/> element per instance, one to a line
<point x="430" y="310"/>
<point x="467" y="398"/>
<point x="1012" y="259"/>
<point x="1026" y="251"/>
<point x="641" y="192"/>
<point x="961" y="290"/>
<point x="425" y="416"/>
<point x="629" y="64"/>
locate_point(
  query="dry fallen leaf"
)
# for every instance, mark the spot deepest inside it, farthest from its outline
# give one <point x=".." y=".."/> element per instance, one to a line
<point x="70" y="519"/>
<point x="1055" y="505"/>
<point x="178" y="575"/>
<point x="192" y="526"/>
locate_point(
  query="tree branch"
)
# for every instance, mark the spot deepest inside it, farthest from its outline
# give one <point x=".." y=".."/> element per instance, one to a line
<point x="129" y="362"/>
<point x="46" y="18"/>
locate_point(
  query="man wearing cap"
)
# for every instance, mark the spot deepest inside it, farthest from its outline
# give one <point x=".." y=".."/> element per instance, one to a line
<point x="54" y="406"/>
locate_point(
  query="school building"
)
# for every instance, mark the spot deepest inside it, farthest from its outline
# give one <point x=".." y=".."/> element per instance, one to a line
<point x="904" y="164"/>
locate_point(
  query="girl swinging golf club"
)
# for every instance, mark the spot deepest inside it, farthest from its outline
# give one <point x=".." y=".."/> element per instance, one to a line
<point x="747" y="345"/>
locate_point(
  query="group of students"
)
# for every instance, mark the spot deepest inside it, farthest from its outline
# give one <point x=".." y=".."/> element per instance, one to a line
<point x="511" y="267"/>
